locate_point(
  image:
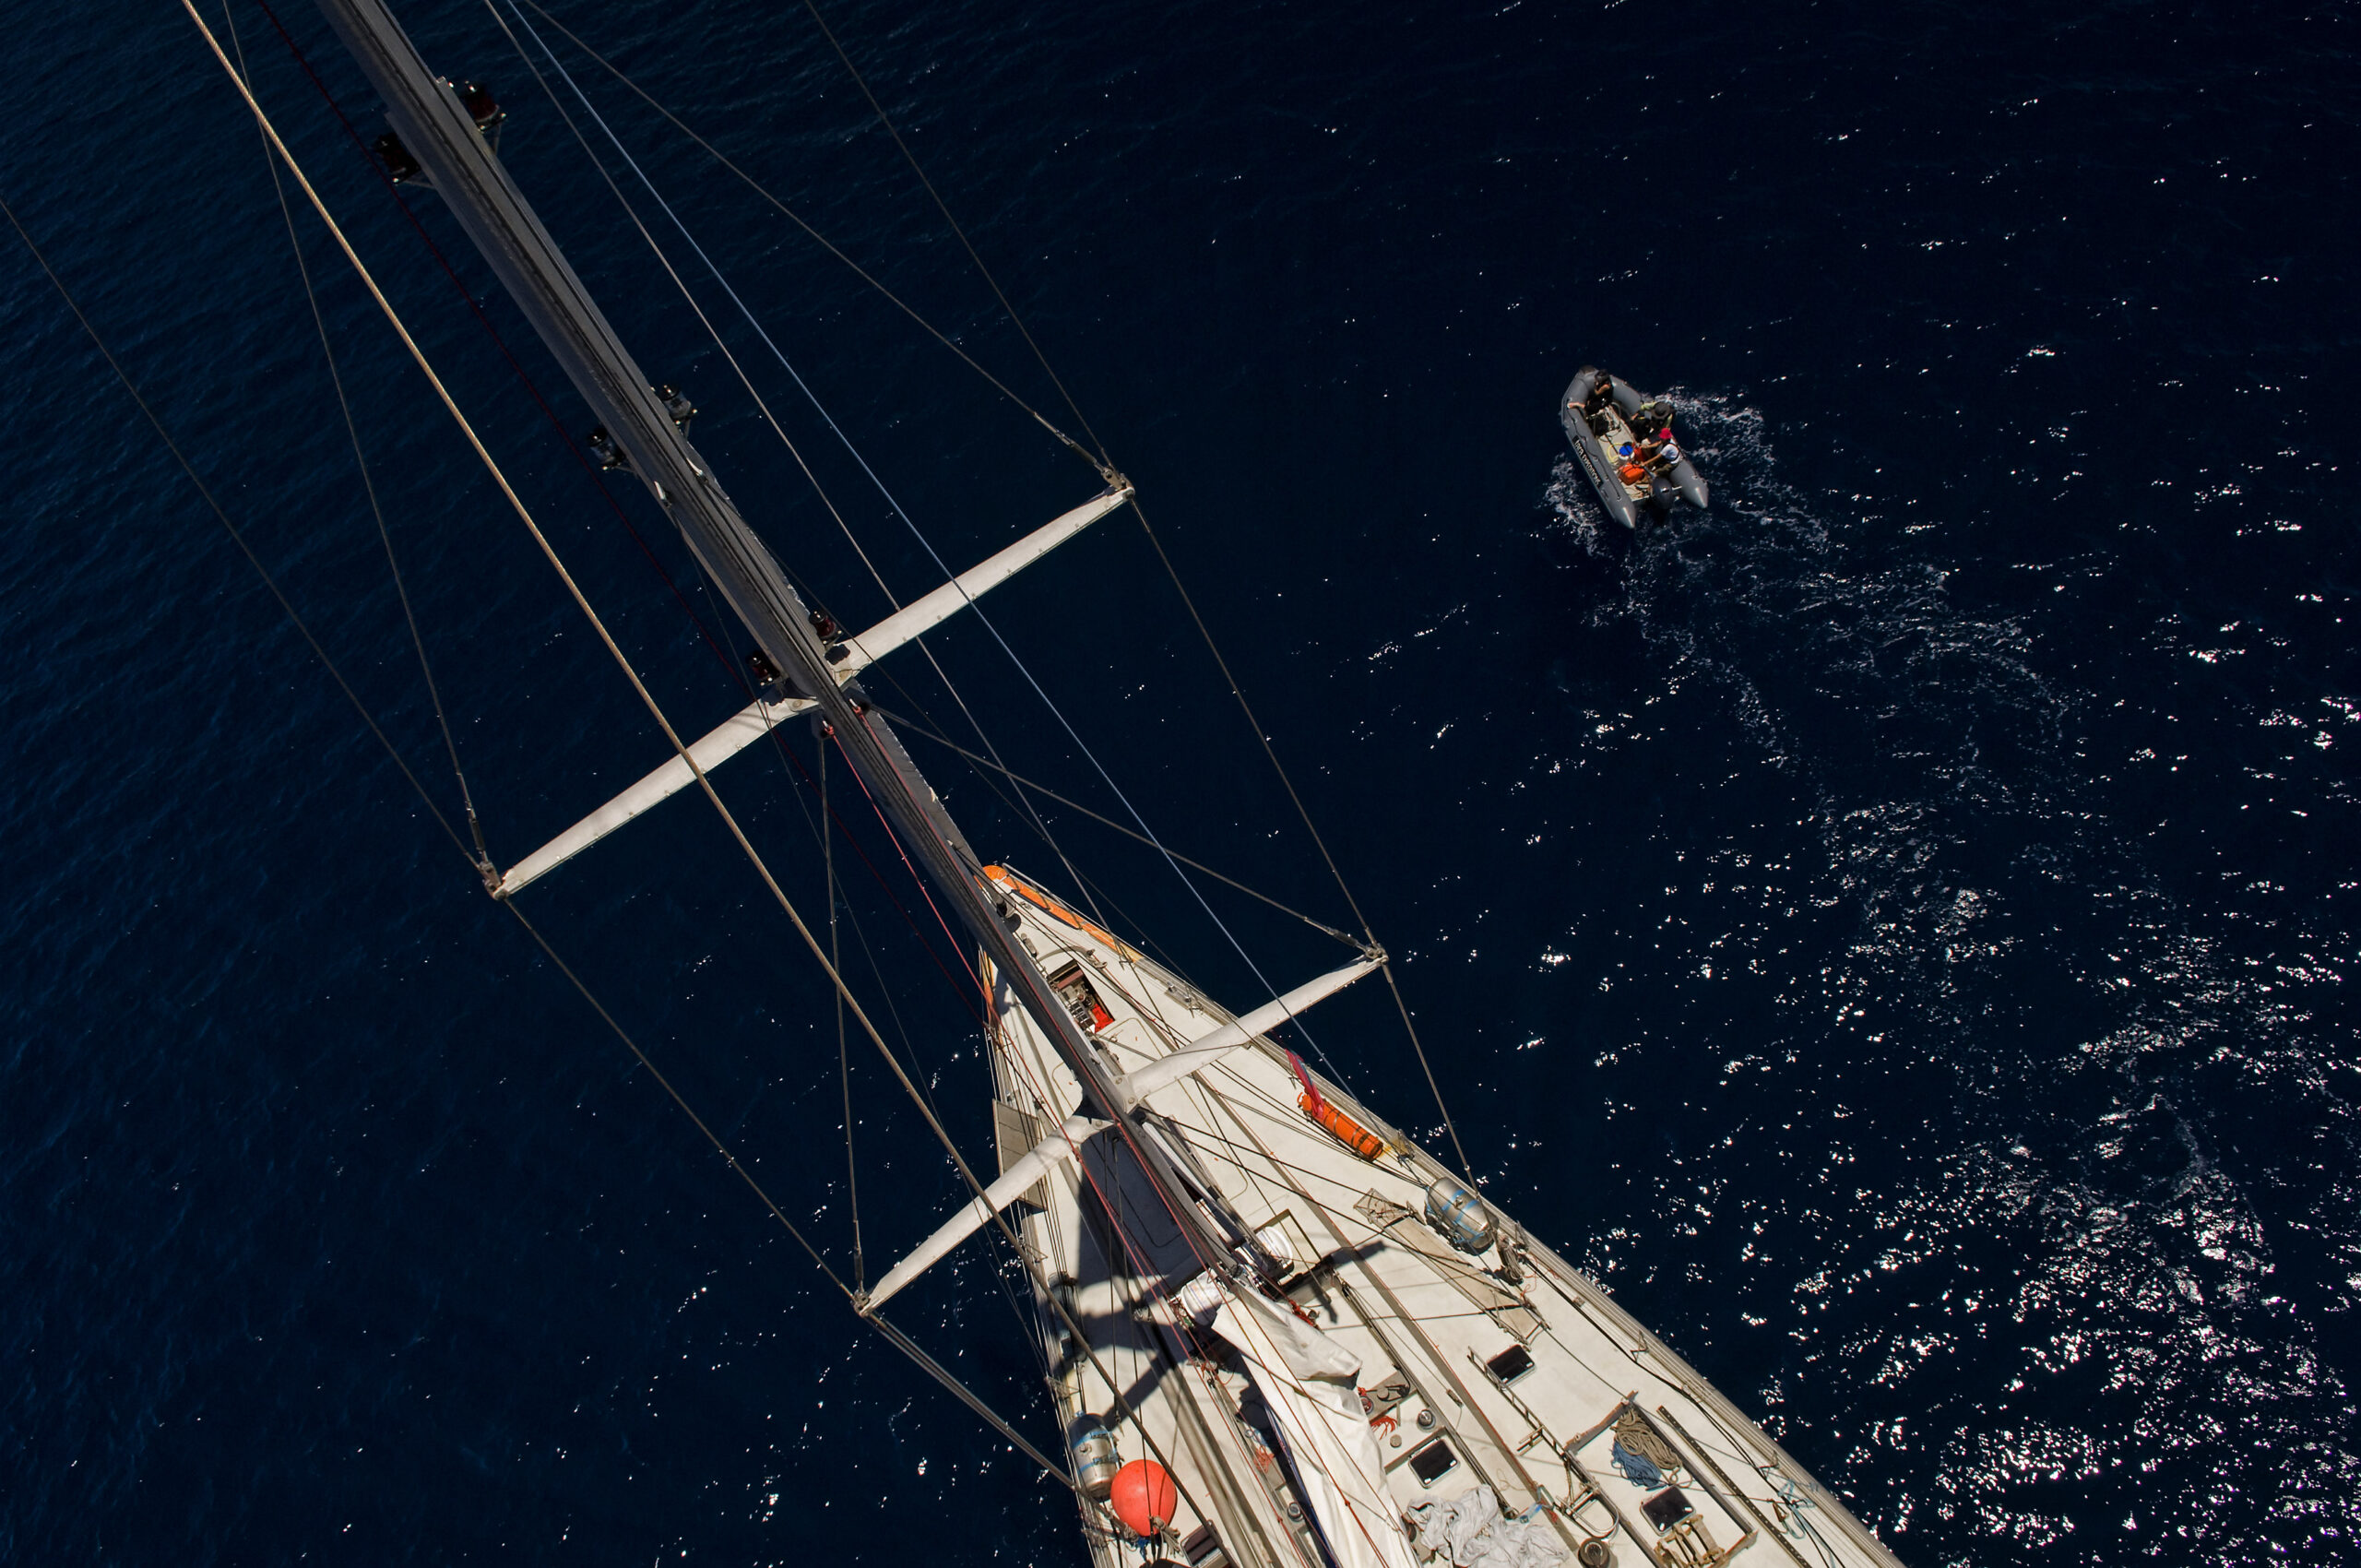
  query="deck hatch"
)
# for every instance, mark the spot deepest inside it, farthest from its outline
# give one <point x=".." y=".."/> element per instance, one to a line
<point x="1511" y="1364"/>
<point x="1082" y="999"/>
<point x="1667" y="1508"/>
<point x="1432" y="1462"/>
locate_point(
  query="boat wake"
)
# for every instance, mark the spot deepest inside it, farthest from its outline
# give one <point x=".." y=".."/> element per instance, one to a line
<point x="2059" y="1298"/>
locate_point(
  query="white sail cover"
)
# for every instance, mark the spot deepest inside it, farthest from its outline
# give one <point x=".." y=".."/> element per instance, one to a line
<point x="1310" y="1384"/>
<point x="1469" y="1532"/>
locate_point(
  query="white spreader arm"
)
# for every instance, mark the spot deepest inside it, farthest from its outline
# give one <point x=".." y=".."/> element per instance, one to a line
<point x="742" y="729"/>
<point x="1166" y="1071"/>
<point x="1046" y="1156"/>
<point x="1067" y="1141"/>
<point x="922" y="616"/>
<point x="756" y="719"/>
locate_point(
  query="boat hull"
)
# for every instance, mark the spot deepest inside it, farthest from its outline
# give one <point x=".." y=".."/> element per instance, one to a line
<point x="1625" y="503"/>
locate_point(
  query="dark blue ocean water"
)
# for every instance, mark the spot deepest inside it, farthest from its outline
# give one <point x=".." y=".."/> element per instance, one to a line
<point x="1892" y="928"/>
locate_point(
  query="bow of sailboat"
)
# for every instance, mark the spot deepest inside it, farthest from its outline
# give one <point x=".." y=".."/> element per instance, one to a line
<point x="1417" y="1344"/>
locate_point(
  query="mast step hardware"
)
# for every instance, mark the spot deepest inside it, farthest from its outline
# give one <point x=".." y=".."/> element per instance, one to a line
<point x="832" y="637"/>
<point x="780" y="689"/>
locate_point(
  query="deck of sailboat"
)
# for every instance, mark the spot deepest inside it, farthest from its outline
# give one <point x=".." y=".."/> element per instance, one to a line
<point x="1517" y="1377"/>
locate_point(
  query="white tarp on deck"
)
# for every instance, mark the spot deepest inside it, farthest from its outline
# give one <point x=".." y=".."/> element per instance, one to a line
<point x="1469" y="1532"/>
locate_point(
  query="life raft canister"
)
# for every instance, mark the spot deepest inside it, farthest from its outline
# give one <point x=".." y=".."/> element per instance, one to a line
<point x="1461" y="1216"/>
<point x="1097" y="1462"/>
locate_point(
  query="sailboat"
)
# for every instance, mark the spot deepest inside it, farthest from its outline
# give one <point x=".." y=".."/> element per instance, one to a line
<point x="1278" y="1332"/>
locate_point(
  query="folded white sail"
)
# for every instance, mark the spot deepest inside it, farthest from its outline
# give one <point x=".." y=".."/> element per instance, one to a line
<point x="1309" y="1381"/>
<point x="756" y="719"/>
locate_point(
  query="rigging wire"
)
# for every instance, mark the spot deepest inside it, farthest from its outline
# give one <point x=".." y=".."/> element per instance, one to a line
<point x="892" y="1333"/>
<point x="821" y="240"/>
<point x="1304" y="811"/>
<point x="1022" y="807"/>
<point x="844" y="1056"/>
<point x="1203" y="630"/>
<point x="913" y="727"/>
<point x="237" y="536"/>
<point x="678" y="283"/>
<point x="615" y="652"/>
<point x="711" y="331"/>
<point x="819" y="828"/>
<point x="1105" y="464"/>
<point x="1027" y="1329"/>
<point x="368" y="484"/>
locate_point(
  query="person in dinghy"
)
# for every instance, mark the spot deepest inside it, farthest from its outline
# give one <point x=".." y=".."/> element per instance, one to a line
<point x="1626" y="446"/>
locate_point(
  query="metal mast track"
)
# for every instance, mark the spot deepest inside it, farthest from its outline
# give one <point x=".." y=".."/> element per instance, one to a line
<point x="441" y="135"/>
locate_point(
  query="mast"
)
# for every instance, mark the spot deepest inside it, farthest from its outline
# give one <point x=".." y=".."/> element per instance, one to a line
<point x="441" y="135"/>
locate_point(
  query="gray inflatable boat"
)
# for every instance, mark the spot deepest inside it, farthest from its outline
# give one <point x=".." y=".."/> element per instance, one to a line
<point x="1597" y="411"/>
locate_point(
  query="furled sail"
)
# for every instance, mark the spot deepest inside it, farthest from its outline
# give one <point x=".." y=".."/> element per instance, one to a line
<point x="1310" y="1382"/>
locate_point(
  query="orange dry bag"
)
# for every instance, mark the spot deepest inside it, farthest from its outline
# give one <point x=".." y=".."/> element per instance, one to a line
<point x="1342" y="1128"/>
<point x="1349" y="1132"/>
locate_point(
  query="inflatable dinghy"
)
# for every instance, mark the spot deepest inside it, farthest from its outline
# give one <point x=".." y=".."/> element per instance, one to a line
<point x="1626" y="464"/>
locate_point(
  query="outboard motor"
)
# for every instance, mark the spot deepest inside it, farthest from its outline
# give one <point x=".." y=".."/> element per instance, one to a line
<point x="1461" y="1216"/>
<point x="1095" y="1458"/>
